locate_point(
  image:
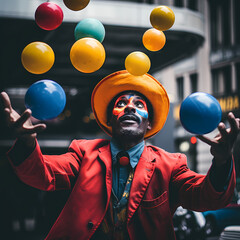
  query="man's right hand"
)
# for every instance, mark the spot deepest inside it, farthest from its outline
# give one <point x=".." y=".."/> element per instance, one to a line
<point x="20" y="126"/>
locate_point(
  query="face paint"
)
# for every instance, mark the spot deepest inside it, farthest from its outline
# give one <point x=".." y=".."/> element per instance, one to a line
<point x="119" y="111"/>
<point x="142" y="113"/>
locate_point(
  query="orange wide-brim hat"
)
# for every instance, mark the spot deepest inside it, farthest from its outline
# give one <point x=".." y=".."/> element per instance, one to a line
<point x="122" y="81"/>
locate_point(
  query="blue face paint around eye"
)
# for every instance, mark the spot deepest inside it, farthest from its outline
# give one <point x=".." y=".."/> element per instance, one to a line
<point x="142" y="113"/>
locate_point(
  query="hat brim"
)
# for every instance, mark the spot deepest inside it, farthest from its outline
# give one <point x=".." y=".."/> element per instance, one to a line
<point x="121" y="81"/>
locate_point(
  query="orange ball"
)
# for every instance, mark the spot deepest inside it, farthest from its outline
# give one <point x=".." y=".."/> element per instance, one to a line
<point x="162" y="18"/>
<point x="76" y="5"/>
<point x="153" y="39"/>
<point x="137" y="63"/>
<point x="87" y="55"/>
<point x="37" y="57"/>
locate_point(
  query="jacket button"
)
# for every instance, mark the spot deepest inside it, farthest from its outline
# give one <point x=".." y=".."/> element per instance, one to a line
<point x="90" y="225"/>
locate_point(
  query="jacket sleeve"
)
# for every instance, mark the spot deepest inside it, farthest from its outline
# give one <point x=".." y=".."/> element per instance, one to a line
<point x="195" y="191"/>
<point x="49" y="172"/>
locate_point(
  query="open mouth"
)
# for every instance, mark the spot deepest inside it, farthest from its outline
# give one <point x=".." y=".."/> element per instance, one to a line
<point x="129" y="118"/>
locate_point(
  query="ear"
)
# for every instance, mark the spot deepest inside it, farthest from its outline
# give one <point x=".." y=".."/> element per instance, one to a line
<point x="149" y="127"/>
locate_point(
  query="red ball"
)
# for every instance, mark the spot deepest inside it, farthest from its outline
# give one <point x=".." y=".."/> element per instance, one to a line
<point x="48" y="16"/>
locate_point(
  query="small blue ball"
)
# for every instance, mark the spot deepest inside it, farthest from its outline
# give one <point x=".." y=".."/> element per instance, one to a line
<point x="200" y="113"/>
<point x="89" y="27"/>
<point x="46" y="99"/>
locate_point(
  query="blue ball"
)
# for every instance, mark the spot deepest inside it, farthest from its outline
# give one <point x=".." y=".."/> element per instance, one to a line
<point x="89" y="27"/>
<point x="200" y="113"/>
<point x="46" y="99"/>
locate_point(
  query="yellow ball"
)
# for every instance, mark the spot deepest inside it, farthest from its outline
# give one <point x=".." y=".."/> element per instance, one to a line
<point x="162" y="18"/>
<point x="37" y="57"/>
<point x="153" y="39"/>
<point x="137" y="63"/>
<point x="87" y="55"/>
<point x="76" y="5"/>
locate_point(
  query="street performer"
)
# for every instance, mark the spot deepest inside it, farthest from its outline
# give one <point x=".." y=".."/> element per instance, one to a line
<point x="122" y="188"/>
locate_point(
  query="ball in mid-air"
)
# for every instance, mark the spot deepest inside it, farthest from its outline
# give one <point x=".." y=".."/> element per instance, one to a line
<point x="87" y="55"/>
<point x="37" y="57"/>
<point x="46" y="99"/>
<point x="137" y="63"/>
<point x="48" y="16"/>
<point x="200" y="113"/>
<point x="90" y="27"/>
<point x="153" y="39"/>
<point x="162" y="18"/>
<point x="76" y="5"/>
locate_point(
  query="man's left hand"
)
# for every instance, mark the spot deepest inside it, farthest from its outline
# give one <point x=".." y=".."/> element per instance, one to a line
<point x="222" y="144"/>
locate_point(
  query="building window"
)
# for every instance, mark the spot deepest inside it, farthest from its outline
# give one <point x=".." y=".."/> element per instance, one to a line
<point x="238" y="77"/>
<point x="226" y="23"/>
<point x="180" y="88"/>
<point x="192" y="4"/>
<point x="220" y="23"/>
<point x="236" y="9"/>
<point x="215" y="82"/>
<point x="213" y="25"/>
<point x="194" y="82"/>
<point x="227" y="78"/>
<point x="222" y="81"/>
<point x="178" y="3"/>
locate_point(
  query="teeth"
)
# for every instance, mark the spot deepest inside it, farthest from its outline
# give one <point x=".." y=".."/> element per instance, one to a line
<point x="128" y="118"/>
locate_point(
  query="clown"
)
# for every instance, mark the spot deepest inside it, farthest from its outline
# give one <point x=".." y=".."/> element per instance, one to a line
<point x="123" y="189"/>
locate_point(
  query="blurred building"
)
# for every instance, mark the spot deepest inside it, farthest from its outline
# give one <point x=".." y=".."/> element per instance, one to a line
<point x="213" y="68"/>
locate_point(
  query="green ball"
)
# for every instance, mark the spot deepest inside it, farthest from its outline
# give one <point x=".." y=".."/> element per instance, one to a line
<point x="90" y="27"/>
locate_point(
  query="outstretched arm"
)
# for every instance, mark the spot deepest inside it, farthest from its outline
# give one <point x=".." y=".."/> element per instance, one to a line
<point x="221" y="149"/>
<point x="20" y="126"/>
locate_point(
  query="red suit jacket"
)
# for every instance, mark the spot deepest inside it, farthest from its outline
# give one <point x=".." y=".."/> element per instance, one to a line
<point x="162" y="182"/>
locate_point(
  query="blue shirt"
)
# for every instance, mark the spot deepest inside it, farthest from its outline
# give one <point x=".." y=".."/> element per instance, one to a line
<point x="120" y="174"/>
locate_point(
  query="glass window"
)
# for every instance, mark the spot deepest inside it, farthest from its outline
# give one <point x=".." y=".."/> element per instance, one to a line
<point x="213" y="25"/>
<point x="226" y="23"/>
<point x="227" y="78"/>
<point x="238" y="77"/>
<point x="222" y="81"/>
<point x="215" y="82"/>
<point x="236" y="20"/>
<point x="178" y="3"/>
<point x="180" y="88"/>
<point x="192" y="4"/>
<point x="194" y="82"/>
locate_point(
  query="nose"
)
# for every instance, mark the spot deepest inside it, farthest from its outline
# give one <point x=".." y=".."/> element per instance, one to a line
<point x="130" y="108"/>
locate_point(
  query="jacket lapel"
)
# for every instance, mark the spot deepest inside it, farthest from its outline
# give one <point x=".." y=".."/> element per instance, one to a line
<point x="141" y="179"/>
<point x="106" y="157"/>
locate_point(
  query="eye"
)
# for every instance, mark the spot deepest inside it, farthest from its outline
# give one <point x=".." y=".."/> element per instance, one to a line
<point x="139" y="104"/>
<point x="121" y="103"/>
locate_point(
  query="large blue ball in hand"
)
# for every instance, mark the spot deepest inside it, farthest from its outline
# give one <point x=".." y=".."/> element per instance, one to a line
<point x="46" y="99"/>
<point x="200" y="113"/>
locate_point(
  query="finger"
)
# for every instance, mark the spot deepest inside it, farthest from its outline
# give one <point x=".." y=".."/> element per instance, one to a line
<point x="222" y="130"/>
<point x="238" y="121"/>
<point x="35" y="129"/>
<point x="7" y="113"/>
<point x="6" y="100"/>
<point x="234" y="123"/>
<point x="24" y="117"/>
<point x="206" y="140"/>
